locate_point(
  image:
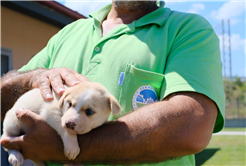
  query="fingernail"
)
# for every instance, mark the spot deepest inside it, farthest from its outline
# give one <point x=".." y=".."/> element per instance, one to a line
<point x="48" y="96"/>
<point x="61" y="90"/>
<point x="75" y="82"/>
<point x="18" y="111"/>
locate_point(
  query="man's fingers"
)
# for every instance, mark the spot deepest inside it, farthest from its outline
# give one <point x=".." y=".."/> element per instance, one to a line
<point x="56" y="78"/>
<point x="56" y="82"/>
<point x="69" y="77"/>
<point x="44" y="86"/>
<point x="81" y="78"/>
<point x="27" y="116"/>
<point x="12" y="142"/>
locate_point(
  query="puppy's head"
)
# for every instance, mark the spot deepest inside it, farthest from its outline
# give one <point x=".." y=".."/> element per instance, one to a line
<point x="86" y="106"/>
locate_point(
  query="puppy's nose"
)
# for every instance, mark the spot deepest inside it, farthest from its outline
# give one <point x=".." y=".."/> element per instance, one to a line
<point x="70" y="125"/>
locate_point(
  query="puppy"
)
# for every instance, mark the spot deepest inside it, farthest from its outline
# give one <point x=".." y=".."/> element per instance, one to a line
<point x="79" y="110"/>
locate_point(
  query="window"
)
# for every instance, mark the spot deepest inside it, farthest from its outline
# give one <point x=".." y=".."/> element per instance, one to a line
<point x="6" y="60"/>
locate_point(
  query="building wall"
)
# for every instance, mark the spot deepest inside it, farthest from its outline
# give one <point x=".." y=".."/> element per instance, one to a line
<point x="24" y="35"/>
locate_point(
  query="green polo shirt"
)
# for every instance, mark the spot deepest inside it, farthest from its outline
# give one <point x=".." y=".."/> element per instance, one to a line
<point x="139" y="63"/>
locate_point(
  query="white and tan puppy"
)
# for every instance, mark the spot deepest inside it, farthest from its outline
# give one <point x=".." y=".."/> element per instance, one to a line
<point x="80" y="109"/>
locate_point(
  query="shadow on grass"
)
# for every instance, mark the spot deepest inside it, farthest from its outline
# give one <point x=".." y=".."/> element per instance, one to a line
<point x="204" y="155"/>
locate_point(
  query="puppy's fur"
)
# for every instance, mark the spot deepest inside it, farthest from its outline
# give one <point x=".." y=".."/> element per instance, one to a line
<point x="80" y="109"/>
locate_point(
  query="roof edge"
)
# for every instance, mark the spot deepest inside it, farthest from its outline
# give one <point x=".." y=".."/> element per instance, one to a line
<point x="61" y="8"/>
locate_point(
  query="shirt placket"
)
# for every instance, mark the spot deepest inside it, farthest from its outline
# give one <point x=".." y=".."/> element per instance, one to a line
<point x="99" y="44"/>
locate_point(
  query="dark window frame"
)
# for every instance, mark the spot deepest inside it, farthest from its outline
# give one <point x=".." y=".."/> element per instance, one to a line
<point x="8" y="53"/>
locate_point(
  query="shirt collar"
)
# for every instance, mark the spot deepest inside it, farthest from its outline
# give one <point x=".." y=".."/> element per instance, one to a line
<point x="101" y="13"/>
<point x="158" y="16"/>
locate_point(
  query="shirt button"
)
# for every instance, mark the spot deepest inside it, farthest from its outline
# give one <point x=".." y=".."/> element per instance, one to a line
<point x="97" y="49"/>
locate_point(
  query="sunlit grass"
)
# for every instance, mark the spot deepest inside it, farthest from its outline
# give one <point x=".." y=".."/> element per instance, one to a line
<point x="224" y="150"/>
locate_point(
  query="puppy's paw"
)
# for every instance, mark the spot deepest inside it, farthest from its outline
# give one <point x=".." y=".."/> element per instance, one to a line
<point x="16" y="158"/>
<point x="71" y="152"/>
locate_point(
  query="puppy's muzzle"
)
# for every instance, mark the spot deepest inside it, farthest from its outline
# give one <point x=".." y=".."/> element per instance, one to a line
<point x="70" y="125"/>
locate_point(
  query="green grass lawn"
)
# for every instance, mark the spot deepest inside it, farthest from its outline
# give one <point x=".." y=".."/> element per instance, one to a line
<point x="224" y="150"/>
<point x="234" y="129"/>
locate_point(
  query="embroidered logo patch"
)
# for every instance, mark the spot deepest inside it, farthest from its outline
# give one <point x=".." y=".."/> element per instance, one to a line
<point x="144" y="95"/>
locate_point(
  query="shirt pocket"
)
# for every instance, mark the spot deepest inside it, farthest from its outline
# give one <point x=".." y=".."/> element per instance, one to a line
<point x="138" y="88"/>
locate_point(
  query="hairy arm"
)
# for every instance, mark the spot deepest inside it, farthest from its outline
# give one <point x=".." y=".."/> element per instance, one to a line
<point x="180" y="125"/>
<point x="14" y="84"/>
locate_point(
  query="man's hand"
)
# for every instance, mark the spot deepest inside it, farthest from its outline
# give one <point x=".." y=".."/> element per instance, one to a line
<point x="14" y="84"/>
<point x="56" y="78"/>
<point x="40" y="137"/>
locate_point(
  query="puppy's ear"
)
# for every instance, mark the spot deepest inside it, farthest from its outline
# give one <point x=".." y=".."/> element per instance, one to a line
<point x="61" y="100"/>
<point x="114" y="105"/>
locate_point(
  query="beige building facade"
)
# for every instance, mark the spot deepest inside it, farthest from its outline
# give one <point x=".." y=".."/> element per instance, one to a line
<point x="23" y="35"/>
<point x="26" y="27"/>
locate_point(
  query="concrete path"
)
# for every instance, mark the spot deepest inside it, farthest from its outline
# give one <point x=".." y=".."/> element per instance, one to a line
<point x="231" y="133"/>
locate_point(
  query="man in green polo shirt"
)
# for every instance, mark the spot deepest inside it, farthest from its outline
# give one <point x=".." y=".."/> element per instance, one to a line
<point x="163" y="67"/>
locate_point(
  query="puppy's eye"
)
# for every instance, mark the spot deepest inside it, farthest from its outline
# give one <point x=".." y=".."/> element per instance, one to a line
<point x="89" y="112"/>
<point x="69" y="104"/>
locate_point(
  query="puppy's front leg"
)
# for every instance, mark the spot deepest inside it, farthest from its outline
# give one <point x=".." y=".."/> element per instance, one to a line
<point x="71" y="146"/>
<point x="70" y="142"/>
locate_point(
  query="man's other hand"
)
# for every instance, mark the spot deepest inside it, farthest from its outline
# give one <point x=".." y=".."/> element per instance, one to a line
<point x="56" y="78"/>
<point x="39" y="140"/>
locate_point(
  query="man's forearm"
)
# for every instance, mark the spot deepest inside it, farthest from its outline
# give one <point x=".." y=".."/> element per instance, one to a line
<point x="154" y="133"/>
<point x="13" y="85"/>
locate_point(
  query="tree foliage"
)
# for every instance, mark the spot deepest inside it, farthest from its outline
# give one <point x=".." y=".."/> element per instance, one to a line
<point x="235" y="91"/>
